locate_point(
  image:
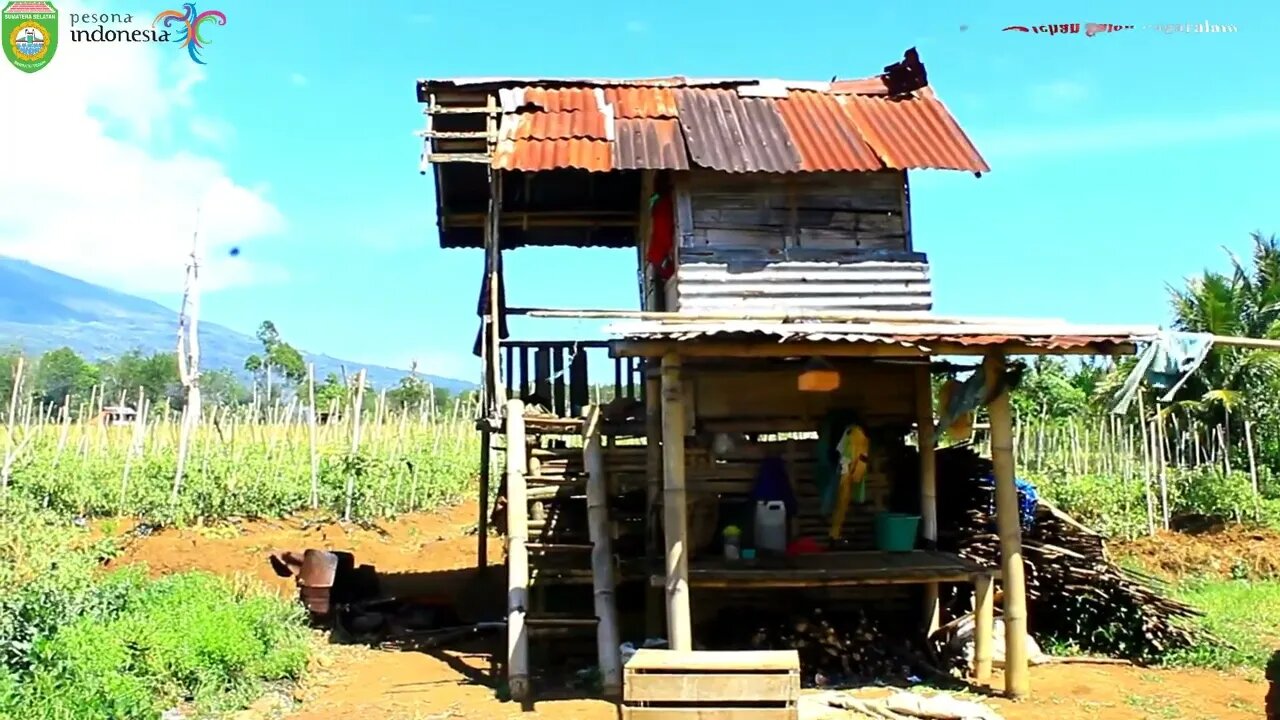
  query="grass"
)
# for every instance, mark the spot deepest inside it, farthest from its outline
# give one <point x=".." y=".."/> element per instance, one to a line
<point x="1244" y="614"/>
<point x="76" y="643"/>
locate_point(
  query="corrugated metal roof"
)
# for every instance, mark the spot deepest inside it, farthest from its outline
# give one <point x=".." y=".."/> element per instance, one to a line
<point x="641" y="102"/>
<point x="913" y="132"/>
<point x="1047" y="335"/>
<point x="591" y="124"/>
<point x="728" y="125"/>
<point x="735" y="134"/>
<point x="649" y="144"/>
<point x="824" y="134"/>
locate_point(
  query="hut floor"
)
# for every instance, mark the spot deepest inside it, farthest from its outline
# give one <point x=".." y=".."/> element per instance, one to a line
<point x="833" y="569"/>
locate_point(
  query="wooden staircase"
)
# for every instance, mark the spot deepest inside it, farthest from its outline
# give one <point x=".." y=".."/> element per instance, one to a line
<point x="559" y="556"/>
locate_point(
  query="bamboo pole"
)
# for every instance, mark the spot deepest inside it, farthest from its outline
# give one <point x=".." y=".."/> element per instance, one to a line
<point x="675" y="506"/>
<point x="356" y="416"/>
<point x="654" y="604"/>
<point x="1146" y="465"/>
<point x="311" y="436"/>
<point x="1253" y="469"/>
<point x="1016" y="680"/>
<point x="1162" y="468"/>
<point x="983" y="628"/>
<point x="928" y="486"/>
<point x="602" y="578"/>
<point x="517" y="554"/>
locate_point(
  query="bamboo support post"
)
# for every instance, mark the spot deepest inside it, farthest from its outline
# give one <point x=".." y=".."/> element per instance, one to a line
<point x="517" y="555"/>
<point x="607" y="649"/>
<point x="1016" y="682"/>
<point x="1253" y="469"/>
<point x="983" y="628"/>
<point x="928" y="486"/>
<point x="675" y="522"/>
<point x="654" y="607"/>
<point x="482" y="523"/>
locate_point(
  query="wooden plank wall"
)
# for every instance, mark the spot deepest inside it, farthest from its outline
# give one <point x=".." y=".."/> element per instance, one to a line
<point x="818" y="241"/>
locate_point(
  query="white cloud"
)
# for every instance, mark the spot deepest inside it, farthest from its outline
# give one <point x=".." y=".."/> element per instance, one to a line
<point x="1058" y="94"/>
<point x="298" y="79"/>
<point x="94" y="198"/>
<point x="1132" y="134"/>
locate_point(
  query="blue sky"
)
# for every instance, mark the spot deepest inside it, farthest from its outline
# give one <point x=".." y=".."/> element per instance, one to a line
<point x="1119" y="162"/>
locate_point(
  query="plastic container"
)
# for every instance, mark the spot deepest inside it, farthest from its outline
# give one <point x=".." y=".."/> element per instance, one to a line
<point x="771" y="526"/>
<point x="732" y="543"/>
<point x="896" y="532"/>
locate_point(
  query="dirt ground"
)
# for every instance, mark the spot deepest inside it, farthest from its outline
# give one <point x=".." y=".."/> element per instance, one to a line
<point x="436" y="552"/>
<point x="1226" y="552"/>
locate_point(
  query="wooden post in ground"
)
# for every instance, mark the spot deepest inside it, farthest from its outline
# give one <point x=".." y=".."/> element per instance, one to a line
<point x="602" y="579"/>
<point x="517" y="555"/>
<point x="482" y="523"/>
<point x="675" y="506"/>
<point x="928" y="487"/>
<point x="984" y="620"/>
<point x="1016" y="682"/>
<point x="655" y="613"/>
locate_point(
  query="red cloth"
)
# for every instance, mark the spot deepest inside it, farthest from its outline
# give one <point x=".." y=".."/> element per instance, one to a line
<point x="663" y="239"/>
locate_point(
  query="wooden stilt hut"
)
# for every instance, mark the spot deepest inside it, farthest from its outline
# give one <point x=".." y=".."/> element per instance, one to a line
<point x="779" y="287"/>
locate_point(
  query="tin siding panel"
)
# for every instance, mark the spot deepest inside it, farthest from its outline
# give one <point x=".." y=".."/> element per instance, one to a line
<point x="789" y="285"/>
<point x="733" y="134"/>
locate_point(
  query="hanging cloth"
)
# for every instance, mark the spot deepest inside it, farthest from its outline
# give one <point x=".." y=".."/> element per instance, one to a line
<point x="1166" y="364"/>
<point x="827" y="464"/>
<point x="662" y="240"/>
<point x="855" y="449"/>
<point x="961" y="428"/>
<point x="482" y="309"/>
<point x="977" y="390"/>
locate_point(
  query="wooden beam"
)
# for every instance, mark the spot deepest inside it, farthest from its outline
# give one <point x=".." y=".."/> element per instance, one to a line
<point x="607" y="649"/>
<point x="675" y="506"/>
<point x="802" y="348"/>
<point x="1016" y="682"/>
<point x="482" y="524"/>
<point x="928" y="487"/>
<point x="895" y="316"/>
<point x="517" y="555"/>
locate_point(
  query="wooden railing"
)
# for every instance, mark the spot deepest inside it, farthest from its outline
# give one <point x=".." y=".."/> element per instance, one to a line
<point x="556" y="374"/>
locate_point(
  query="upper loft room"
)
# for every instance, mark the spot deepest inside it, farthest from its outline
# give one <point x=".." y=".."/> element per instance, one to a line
<point x="737" y="195"/>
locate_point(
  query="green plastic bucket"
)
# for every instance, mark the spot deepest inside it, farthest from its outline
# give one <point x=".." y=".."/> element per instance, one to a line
<point x="896" y="532"/>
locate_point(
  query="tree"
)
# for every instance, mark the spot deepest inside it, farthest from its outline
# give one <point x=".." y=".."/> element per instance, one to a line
<point x="156" y="374"/>
<point x="62" y="376"/>
<point x="277" y="356"/>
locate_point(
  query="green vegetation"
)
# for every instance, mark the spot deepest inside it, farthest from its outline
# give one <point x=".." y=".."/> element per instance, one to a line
<point x="75" y="643"/>
<point x="1243" y="614"/>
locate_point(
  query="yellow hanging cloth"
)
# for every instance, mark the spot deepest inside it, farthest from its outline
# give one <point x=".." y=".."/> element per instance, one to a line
<point x="854" y="448"/>
<point x="961" y="430"/>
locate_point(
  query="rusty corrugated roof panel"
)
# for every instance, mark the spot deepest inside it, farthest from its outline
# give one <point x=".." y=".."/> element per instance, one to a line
<point x="824" y="134"/>
<point x="652" y="144"/>
<point x="641" y="102"/>
<point x="535" y="155"/>
<point x="733" y="134"/>
<point x="560" y="99"/>
<point x="913" y="132"/>
<point x="561" y="125"/>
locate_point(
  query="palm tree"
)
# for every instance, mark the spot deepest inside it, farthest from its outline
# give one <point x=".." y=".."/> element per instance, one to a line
<point x="1234" y="382"/>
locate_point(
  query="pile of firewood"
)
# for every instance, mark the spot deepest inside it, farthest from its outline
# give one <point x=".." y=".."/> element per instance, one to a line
<point x="1075" y="593"/>
<point x="835" y="648"/>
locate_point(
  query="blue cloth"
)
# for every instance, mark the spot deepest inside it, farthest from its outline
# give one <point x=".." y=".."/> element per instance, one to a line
<point x="772" y="484"/>
<point x="1028" y="499"/>
<point x="1165" y="364"/>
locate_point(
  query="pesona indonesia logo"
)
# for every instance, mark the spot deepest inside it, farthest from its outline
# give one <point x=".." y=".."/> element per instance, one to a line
<point x="191" y="22"/>
<point x="183" y="27"/>
<point x="30" y="31"/>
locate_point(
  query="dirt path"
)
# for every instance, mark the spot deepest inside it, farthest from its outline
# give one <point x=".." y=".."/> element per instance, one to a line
<point x="351" y="682"/>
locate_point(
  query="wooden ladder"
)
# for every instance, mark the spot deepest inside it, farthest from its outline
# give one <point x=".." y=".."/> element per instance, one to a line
<point x="446" y="146"/>
<point x="534" y="475"/>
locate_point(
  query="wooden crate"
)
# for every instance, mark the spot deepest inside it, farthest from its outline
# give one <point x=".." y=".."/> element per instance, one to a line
<point x="703" y="685"/>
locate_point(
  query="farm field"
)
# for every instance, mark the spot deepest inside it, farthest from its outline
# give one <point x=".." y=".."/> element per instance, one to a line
<point x="96" y="529"/>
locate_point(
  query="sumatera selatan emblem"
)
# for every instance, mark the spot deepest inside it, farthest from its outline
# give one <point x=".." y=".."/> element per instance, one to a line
<point x="30" y="31"/>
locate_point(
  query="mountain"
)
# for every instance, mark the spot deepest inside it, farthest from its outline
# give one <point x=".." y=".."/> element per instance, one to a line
<point x="42" y="310"/>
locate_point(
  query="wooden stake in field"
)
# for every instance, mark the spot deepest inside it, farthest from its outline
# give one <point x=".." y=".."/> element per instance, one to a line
<point x="355" y="441"/>
<point x="311" y="436"/>
<point x="189" y="356"/>
<point x="13" y="448"/>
